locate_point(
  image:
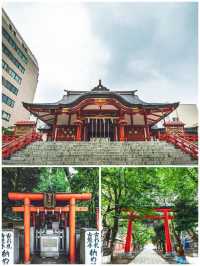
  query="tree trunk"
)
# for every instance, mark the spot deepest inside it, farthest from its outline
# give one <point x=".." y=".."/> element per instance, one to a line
<point x="193" y="235"/>
<point x="115" y="228"/>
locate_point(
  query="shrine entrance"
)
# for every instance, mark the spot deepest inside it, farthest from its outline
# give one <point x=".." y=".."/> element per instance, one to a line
<point x="162" y="214"/>
<point x="100" y="128"/>
<point x="49" y="223"/>
<point x="100" y="113"/>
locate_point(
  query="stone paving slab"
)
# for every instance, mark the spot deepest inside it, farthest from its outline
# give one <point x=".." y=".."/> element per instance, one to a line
<point x="148" y="256"/>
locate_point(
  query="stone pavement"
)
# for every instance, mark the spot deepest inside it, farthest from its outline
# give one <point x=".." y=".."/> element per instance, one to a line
<point x="148" y="256"/>
<point x="193" y="260"/>
<point x="36" y="259"/>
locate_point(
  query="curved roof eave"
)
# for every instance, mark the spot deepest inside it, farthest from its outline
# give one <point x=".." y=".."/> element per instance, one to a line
<point x="138" y="103"/>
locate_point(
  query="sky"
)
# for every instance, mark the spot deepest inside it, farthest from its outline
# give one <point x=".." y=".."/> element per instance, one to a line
<point x="149" y="47"/>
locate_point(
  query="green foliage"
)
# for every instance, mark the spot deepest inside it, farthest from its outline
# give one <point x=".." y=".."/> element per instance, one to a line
<point x="86" y="179"/>
<point x="52" y="180"/>
<point x="22" y="179"/>
<point x="186" y="215"/>
<point x="142" y="189"/>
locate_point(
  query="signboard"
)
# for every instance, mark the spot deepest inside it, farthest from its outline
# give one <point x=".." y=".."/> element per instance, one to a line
<point x="7" y="247"/>
<point x="90" y="246"/>
<point x="49" y="200"/>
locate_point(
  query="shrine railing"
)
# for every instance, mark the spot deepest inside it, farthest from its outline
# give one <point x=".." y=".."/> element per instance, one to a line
<point x="7" y="138"/>
<point x="19" y="143"/>
<point x="182" y="143"/>
<point x="190" y="137"/>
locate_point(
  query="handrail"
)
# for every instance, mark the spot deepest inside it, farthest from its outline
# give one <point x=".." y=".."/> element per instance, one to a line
<point x="7" y="138"/>
<point x="19" y="143"/>
<point x="183" y="144"/>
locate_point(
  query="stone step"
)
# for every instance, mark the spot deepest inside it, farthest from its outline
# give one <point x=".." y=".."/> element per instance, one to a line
<point x="100" y="153"/>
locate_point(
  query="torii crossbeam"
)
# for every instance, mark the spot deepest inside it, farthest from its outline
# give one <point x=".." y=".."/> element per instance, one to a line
<point x="27" y="209"/>
<point x="165" y="217"/>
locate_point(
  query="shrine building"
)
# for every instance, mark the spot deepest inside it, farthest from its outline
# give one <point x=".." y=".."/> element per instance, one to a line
<point x="100" y="113"/>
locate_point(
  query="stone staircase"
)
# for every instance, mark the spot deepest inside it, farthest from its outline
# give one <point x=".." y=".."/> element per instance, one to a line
<point x="100" y="152"/>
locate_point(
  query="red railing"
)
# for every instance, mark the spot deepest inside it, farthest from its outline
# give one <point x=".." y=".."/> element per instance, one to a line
<point x="190" y="137"/>
<point x="7" y="138"/>
<point x="19" y="143"/>
<point x="181" y="143"/>
<point x="186" y="136"/>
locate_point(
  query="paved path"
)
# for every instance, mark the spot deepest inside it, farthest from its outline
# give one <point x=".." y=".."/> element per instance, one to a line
<point x="148" y="256"/>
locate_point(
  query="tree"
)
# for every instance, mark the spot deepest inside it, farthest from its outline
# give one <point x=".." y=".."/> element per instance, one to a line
<point x="86" y="179"/>
<point x="142" y="189"/>
<point x="121" y="189"/>
<point x="16" y="179"/>
<point x="52" y="179"/>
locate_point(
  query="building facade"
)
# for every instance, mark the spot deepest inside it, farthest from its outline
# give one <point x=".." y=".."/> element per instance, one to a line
<point x="19" y="74"/>
<point x="100" y="113"/>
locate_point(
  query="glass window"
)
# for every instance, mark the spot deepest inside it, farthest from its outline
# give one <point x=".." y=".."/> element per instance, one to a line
<point x="5" y="116"/>
<point x="7" y="84"/>
<point x="12" y="58"/>
<point x="7" y="100"/>
<point x="11" y="72"/>
<point x="14" y="45"/>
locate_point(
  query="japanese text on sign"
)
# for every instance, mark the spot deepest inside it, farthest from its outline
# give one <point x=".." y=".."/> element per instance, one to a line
<point x="7" y="249"/>
<point x="92" y="247"/>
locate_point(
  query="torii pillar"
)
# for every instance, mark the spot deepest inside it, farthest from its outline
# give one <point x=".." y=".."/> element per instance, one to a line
<point x="127" y="248"/>
<point x="168" y="243"/>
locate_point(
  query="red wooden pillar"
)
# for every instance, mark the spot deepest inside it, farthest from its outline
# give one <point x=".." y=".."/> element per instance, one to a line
<point x="128" y="237"/>
<point x="54" y="130"/>
<point x="78" y="130"/>
<point x="97" y="218"/>
<point x="146" y="127"/>
<point x="159" y="134"/>
<point x="72" y="231"/>
<point x="27" y="217"/>
<point x="168" y="244"/>
<point x="116" y="133"/>
<point x="122" y="124"/>
<point x="33" y="219"/>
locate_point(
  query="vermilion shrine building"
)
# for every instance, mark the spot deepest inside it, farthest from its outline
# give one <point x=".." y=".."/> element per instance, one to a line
<point x="100" y="113"/>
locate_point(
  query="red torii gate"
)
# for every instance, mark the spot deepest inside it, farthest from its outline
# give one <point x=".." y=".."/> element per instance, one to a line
<point x="28" y="209"/>
<point x="165" y="216"/>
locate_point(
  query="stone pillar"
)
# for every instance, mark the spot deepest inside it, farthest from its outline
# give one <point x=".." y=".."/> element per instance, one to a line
<point x="72" y="231"/>
<point x="27" y="217"/>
